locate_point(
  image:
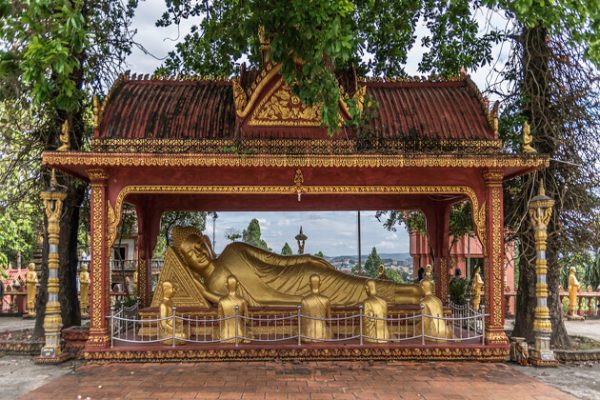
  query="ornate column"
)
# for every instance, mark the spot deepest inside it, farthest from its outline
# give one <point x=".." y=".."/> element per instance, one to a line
<point x="100" y="279"/>
<point x="53" y="201"/>
<point x="494" y="265"/>
<point x="540" y="211"/>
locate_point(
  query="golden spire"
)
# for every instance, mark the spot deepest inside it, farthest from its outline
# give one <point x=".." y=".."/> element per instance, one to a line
<point x="541" y="189"/>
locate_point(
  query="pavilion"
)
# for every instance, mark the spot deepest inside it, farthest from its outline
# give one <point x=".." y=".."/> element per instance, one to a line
<point x="248" y="144"/>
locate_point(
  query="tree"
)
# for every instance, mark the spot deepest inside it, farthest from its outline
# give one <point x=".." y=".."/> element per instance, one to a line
<point x="372" y="264"/>
<point x="169" y="220"/>
<point x="233" y="234"/>
<point x="251" y="235"/>
<point x="320" y="254"/>
<point x="286" y="250"/>
<point x="58" y="54"/>
<point x="316" y="41"/>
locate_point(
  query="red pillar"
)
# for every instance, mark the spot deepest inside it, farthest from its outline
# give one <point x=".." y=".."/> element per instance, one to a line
<point x="99" y="268"/>
<point x="438" y="223"/>
<point x="148" y="229"/>
<point x="494" y="264"/>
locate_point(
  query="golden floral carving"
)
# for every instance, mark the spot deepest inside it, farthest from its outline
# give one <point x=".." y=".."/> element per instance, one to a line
<point x="286" y="161"/>
<point x="97" y="267"/>
<point x="111" y="226"/>
<point x="497" y="256"/>
<point x="240" y="98"/>
<point x="281" y="107"/>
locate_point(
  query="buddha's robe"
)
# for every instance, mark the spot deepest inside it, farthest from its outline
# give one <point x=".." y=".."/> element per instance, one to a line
<point x="226" y="309"/>
<point x="315" y="306"/>
<point x="376" y="330"/>
<point x="267" y="279"/>
<point x="31" y="280"/>
<point x="84" y="285"/>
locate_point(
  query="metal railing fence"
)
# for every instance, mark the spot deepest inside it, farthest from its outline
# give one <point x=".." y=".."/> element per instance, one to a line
<point x="464" y="325"/>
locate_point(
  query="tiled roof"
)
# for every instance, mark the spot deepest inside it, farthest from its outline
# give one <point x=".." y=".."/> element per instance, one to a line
<point x="204" y="109"/>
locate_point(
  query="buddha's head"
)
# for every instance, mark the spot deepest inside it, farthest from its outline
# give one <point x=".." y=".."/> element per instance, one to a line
<point x="371" y="288"/>
<point x="573" y="270"/>
<point x="167" y="290"/>
<point x="84" y="267"/>
<point x="232" y="284"/>
<point x="195" y="252"/>
<point x="31" y="266"/>
<point x="315" y="283"/>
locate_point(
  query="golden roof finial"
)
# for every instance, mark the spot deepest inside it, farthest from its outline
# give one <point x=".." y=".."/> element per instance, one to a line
<point x="64" y="137"/>
<point x="541" y="188"/>
<point x="527" y="139"/>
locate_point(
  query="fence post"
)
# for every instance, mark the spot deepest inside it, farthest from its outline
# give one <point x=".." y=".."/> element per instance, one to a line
<point x="422" y="324"/>
<point x="235" y="320"/>
<point x="173" y="321"/>
<point x="112" y="329"/>
<point x="482" y="319"/>
<point x="360" y="322"/>
<point x="299" y="330"/>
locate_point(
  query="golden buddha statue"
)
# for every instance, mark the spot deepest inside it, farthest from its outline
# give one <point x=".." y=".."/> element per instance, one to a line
<point x="31" y="281"/>
<point x="381" y="273"/>
<point x="166" y="313"/>
<point x="84" y="285"/>
<point x="315" y="305"/>
<point x="375" y="307"/>
<point x="436" y="329"/>
<point x="268" y="279"/>
<point x="476" y="287"/>
<point x="573" y="289"/>
<point x="226" y="309"/>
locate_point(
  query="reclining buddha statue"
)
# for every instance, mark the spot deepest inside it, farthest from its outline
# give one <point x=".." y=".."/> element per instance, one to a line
<point x="268" y="279"/>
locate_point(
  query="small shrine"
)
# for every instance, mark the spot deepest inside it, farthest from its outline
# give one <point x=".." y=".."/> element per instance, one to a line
<point x="249" y="144"/>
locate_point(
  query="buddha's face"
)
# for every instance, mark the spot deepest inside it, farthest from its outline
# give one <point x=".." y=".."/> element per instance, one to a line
<point x="167" y="290"/>
<point x="195" y="253"/>
<point x="231" y="284"/>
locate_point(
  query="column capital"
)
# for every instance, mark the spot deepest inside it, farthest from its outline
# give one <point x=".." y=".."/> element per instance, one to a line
<point x="97" y="175"/>
<point x="493" y="177"/>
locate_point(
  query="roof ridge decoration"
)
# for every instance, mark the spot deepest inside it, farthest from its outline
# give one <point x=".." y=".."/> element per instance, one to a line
<point x="269" y="101"/>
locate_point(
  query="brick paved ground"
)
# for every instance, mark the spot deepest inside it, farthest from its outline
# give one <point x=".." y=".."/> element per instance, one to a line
<point x="311" y="381"/>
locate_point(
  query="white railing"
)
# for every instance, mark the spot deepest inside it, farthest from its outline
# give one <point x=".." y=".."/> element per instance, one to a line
<point x="465" y="317"/>
<point x="288" y="327"/>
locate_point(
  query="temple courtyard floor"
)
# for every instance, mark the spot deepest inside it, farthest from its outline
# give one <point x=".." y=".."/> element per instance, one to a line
<point x="306" y="380"/>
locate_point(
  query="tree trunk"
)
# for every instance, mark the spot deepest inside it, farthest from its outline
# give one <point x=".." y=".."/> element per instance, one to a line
<point x="538" y="109"/>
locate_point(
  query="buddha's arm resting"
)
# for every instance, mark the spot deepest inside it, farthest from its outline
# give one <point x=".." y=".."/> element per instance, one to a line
<point x="285" y="261"/>
<point x="208" y="295"/>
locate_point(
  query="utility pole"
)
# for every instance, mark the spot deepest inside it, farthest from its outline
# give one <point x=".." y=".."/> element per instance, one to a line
<point x="214" y="240"/>
<point x="359" y="245"/>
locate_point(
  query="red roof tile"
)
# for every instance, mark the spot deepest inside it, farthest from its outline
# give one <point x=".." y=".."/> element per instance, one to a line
<point x="204" y="109"/>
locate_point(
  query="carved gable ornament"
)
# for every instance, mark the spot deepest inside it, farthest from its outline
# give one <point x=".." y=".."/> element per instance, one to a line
<point x="269" y="102"/>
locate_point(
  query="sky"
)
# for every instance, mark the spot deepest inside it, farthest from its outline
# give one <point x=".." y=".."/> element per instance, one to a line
<point x="333" y="233"/>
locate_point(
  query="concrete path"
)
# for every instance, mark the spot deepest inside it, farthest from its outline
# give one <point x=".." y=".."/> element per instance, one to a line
<point x="15" y="324"/>
<point x="310" y="380"/>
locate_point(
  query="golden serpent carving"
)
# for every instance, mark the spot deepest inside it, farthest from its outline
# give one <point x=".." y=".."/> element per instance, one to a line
<point x="497" y="255"/>
<point x="97" y="270"/>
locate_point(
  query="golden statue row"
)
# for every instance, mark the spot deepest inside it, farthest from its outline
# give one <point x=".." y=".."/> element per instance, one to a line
<point x="244" y="276"/>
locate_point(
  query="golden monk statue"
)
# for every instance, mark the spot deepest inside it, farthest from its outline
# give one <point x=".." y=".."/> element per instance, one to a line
<point x="166" y="315"/>
<point x="375" y="307"/>
<point x="268" y="279"/>
<point x="573" y="289"/>
<point x="435" y="328"/>
<point x="315" y="305"/>
<point x="476" y="287"/>
<point x="84" y="286"/>
<point x="226" y="309"/>
<point x="31" y="281"/>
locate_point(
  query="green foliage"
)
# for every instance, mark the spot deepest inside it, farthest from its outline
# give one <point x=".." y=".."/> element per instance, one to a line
<point x="315" y="40"/>
<point x="320" y="254"/>
<point x="458" y="289"/>
<point x="395" y="275"/>
<point x="251" y="235"/>
<point x="286" y="250"/>
<point x="171" y="219"/>
<point x="585" y="267"/>
<point x="592" y="272"/>
<point x="372" y="264"/>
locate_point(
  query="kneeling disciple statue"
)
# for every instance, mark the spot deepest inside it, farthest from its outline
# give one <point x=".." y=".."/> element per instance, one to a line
<point x="434" y="326"/>
<point x="315" y="306"/>
<point x="31" y="281"/>
<point x="375" y="307"/>
<point x="227" y="309"/>
<point x="173" y="334"/>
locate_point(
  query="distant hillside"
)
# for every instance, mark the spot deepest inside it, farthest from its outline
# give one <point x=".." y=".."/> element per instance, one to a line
<point x="384" y="256"/>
